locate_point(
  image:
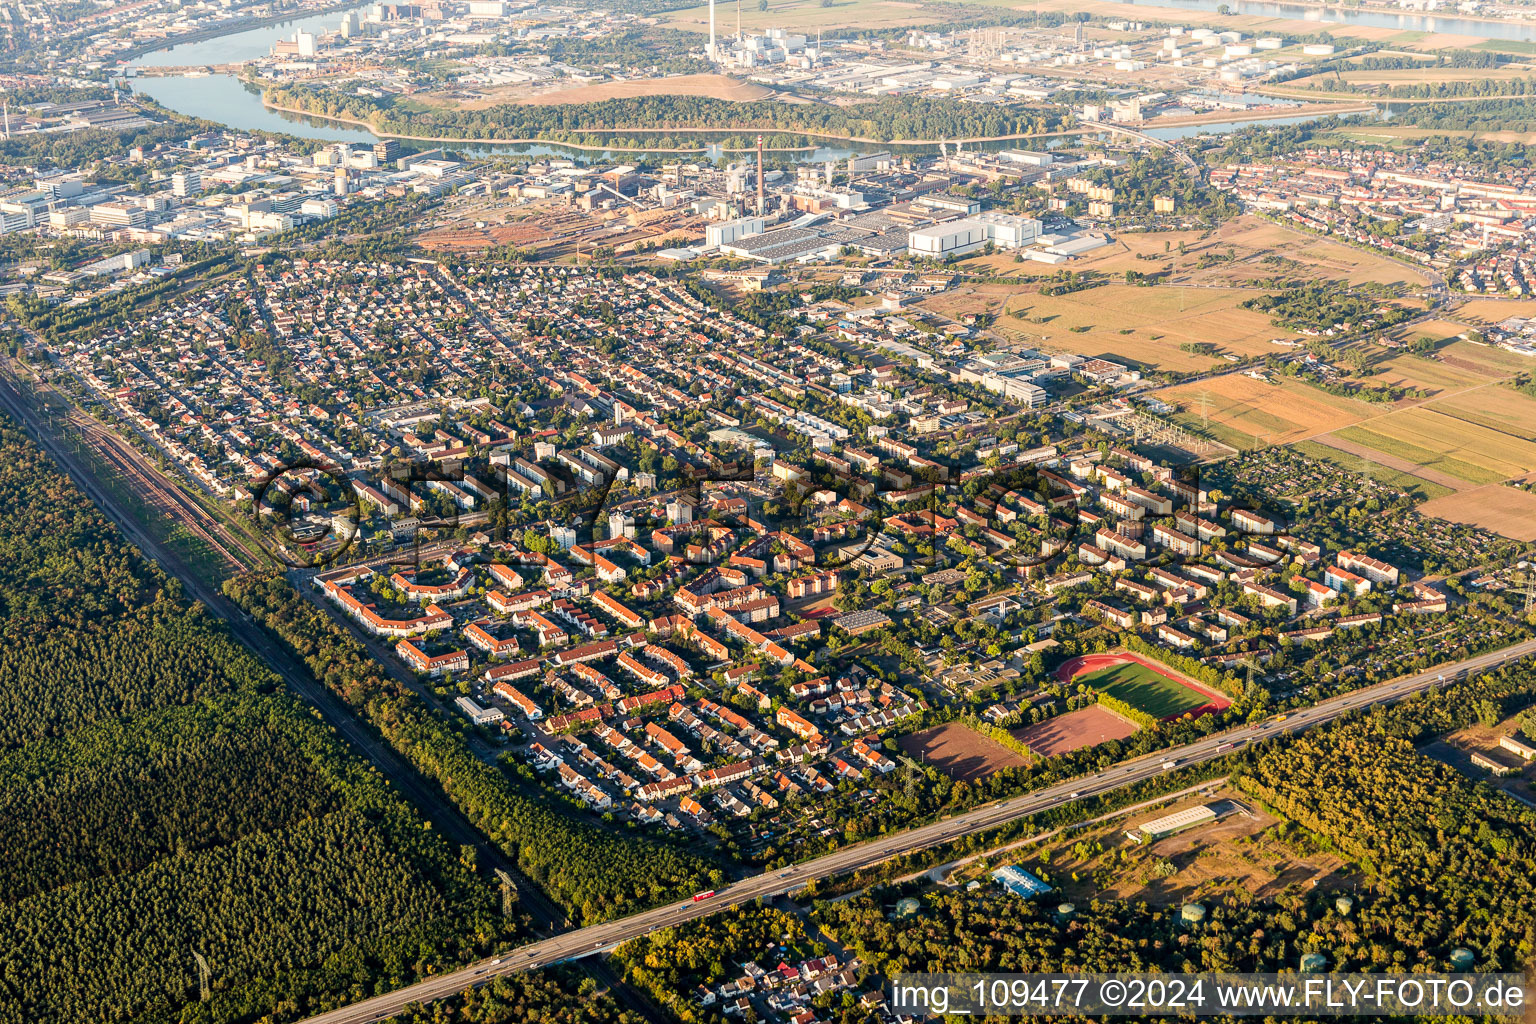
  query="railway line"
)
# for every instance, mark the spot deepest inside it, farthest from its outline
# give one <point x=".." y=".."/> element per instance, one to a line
<point x="164" y="498"/>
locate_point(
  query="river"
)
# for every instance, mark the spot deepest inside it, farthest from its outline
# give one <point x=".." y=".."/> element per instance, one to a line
<point x="244" y="45"/>
<point x="1324" y="16"/>
<point x="226" y="100"/>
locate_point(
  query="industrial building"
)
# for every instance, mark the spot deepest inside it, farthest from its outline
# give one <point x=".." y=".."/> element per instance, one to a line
<point x="1169" y="824"/>
<point x="954" y="238"/>
<point x="1019" y="882"/>
<point x="717" y="235"/>
<point x="943" y="240"/>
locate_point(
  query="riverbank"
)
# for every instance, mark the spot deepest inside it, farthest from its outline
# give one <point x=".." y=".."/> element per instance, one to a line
<point x="219" y="32"/>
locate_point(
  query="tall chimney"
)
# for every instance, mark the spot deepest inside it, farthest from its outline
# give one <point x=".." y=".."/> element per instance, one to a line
<point x="761" y="206"/>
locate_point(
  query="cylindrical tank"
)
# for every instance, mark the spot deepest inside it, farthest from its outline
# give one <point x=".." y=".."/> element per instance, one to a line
<point x="1192" y="913"/>
<point x="1344" y="905"/>
<point x="1462" y="959"/>
<point x="1064" y="911"/>
<point x="1313" y="962"/>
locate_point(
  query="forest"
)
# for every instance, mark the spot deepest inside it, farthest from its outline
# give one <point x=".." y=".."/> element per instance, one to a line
<point x="1508" y="115"/>
<point x="162" y="795"/>
<point x="548" y="997"/>
<point x="594" y="873"/>
<point x="887" y="119"/>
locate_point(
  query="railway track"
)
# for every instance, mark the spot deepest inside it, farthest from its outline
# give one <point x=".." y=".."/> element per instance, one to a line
<point x="163" y="497"/>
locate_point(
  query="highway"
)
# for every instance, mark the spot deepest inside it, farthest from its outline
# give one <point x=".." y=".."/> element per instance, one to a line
<point x="586" y="941"/>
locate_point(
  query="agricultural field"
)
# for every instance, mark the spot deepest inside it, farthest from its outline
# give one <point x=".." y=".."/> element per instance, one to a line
<point x="1482" y="312"/>
<point x="1439" y="440"/>
<point x="1146" y="326"/>
<point x="1238" y="254"/>
<point x="1326" y="85"/>
<point x="960" y="752"/>
<point x="1507" y="511"/>
<point x="1435" y="376"/>
<point x="1087" y="727"/>
<point x="1247" y="413"/>
<point x="1497" y="408"/>
<point x="1299" y="255"/>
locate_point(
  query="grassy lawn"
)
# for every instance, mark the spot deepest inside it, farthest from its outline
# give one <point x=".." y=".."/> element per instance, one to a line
<point x="1144" y="689"/>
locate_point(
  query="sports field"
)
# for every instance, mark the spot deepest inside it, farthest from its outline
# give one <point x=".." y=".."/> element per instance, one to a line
<point x="1142" y="688"/>
<point x="1142" y="684"/>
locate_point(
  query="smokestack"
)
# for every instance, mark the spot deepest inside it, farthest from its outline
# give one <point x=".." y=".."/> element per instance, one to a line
<point x="761" y="206"/>
<point x="711" y="29"/>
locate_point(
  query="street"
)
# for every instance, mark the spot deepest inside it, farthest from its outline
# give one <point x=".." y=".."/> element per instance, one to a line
<point x="586" y="941"/>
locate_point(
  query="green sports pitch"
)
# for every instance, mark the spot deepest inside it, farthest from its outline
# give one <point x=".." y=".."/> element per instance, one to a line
<point x="1144" y="689"/>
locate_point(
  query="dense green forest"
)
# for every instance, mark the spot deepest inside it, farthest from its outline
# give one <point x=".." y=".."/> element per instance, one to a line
<point x="595" y="874"/>
<point x="886" y="119"/>
<point x="548" y="997"/>
<point x="161" y="794"/>
<point x="1509" y="115"/>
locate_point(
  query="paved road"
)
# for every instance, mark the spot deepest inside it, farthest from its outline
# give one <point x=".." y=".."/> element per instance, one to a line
<point x="586" y="941"/>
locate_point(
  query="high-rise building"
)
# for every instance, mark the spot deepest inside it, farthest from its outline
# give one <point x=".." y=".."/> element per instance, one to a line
<point x="186" y="183"/>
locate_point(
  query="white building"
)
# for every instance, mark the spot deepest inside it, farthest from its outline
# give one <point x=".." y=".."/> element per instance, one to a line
<point x="952" y="239"/>
<point x="186" y="183"/>
<point x="716" y="235"/>
<point x="477" y="714"/>
<point x="1005" y="230"/>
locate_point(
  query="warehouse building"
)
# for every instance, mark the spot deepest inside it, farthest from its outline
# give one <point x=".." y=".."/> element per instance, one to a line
<point x="1019" y="882"/>
<point x="1169" y="824"/>
<point x="716" y="235"/>
<point x="956" y="237"/>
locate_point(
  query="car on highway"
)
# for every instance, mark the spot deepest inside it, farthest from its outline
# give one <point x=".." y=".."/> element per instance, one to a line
<point x="1072" y="795"/>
